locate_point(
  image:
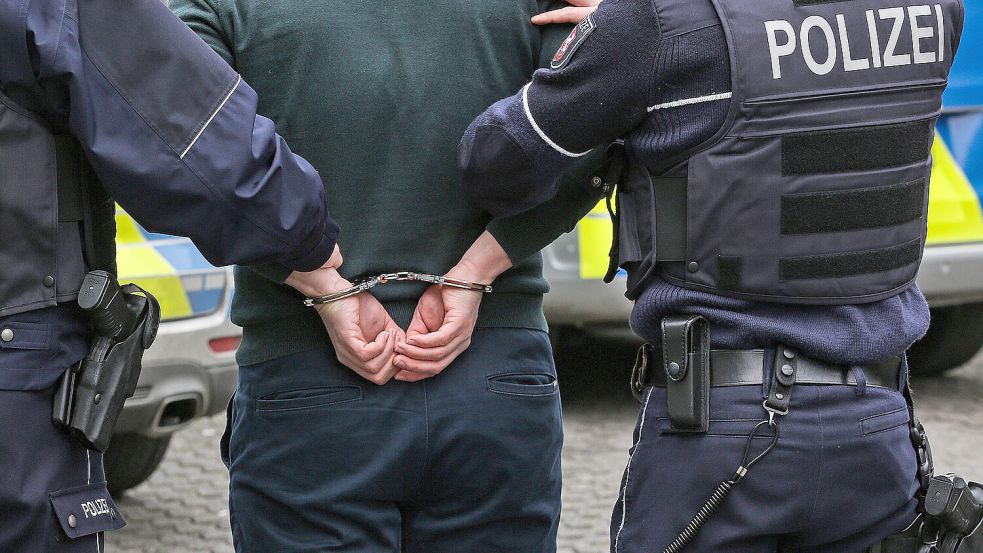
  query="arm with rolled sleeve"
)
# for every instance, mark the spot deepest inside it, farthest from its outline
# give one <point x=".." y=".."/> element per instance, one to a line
<point x="512" y="156"/>
<point x="173" y="134"/>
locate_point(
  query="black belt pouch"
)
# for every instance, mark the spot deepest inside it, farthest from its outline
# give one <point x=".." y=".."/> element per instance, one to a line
<point x="686" y="360"/>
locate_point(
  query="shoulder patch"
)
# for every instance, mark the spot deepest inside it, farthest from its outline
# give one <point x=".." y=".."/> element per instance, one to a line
<point x="577" y="37"/>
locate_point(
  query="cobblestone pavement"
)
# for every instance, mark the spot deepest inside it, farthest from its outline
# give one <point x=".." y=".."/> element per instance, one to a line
<point x="182" y="507"/>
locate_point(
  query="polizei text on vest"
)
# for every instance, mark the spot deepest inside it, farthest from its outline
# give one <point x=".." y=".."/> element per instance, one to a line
<point x="823" y="43"/>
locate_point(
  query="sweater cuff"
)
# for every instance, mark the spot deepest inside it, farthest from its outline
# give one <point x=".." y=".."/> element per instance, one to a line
<point x="271" y="271"/>
<point x="517" y="242"/>
<point x="527" y="233"/>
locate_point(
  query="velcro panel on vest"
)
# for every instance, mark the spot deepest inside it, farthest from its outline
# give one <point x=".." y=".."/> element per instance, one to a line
<point x="730" y="270"/>
<point x="839" y="265"/>
<point x="845" y="210"/>
<point x="859" y="149"/>
<point x="670" y="218"/>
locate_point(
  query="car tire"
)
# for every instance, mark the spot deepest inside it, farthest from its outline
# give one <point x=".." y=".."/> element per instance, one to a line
<point x="131" y="459"/>
<point x="955" y="336"/>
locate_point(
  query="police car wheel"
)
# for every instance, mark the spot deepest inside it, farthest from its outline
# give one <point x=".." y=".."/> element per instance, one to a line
<point x="131" y="459"/>
<point x="955" y="336"/>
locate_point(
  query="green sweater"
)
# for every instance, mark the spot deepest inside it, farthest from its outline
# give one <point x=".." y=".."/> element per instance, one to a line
<point x="376" y="95"/>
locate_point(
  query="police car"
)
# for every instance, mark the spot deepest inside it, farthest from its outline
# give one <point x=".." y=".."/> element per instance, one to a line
<point x="190" y="371"/>
<point x="950" y="275"/>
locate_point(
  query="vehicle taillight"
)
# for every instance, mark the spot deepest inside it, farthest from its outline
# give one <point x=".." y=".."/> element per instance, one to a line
<point x="224" y="344"/>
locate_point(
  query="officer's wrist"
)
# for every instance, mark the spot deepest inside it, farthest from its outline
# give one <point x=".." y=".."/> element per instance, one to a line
<point x="483" y="262"/>
<point x="320" y="282"/>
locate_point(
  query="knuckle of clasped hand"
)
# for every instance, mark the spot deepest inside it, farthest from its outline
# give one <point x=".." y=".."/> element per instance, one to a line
<point x="377" y="365"/>
<point x="379" y="378"/>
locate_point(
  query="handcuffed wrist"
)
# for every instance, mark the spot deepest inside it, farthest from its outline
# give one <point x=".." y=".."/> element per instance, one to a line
<point x="368" y="284"/>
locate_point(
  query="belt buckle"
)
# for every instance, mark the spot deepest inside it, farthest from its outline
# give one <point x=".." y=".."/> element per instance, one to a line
<point x="640" y="371"/>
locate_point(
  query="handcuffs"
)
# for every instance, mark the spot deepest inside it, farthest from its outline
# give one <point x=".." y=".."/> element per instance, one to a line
<point x="372" y="282"/>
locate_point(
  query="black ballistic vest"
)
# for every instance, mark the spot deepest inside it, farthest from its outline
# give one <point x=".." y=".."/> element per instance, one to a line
<point x="56" y="222"/>
<point x="815" y="190"/>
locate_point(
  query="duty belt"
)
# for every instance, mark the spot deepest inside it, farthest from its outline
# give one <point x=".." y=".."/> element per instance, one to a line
<point x="745" y="367"/>
<point x="689" y="368"/>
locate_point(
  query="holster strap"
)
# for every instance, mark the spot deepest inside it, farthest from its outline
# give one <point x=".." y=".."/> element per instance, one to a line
<point x="70" y="167"/>
<point x="782" y="380"/>
<point x="608" y="177"/>
<point x="745" y="368"/>
<point x="651" y="219"/>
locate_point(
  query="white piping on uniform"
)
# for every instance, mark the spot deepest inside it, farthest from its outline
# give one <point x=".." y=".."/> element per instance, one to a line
<point x="88" y="480"/>
<point x="100" y="539"/>
<point x="539" y="131"/>
<point x="205" y="126"/>
<point x="624" y="491"/>
<point x="691" y="101"/>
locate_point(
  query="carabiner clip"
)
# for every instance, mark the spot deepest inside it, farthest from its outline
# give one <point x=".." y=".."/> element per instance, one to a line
<point x="772" y="413"/>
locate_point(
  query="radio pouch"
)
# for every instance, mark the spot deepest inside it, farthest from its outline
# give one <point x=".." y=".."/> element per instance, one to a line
<point x="686" y="361"/>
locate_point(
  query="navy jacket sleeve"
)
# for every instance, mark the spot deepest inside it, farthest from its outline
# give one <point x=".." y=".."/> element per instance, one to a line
<point x="597" y="88"/>
<point x="173" y="134"/>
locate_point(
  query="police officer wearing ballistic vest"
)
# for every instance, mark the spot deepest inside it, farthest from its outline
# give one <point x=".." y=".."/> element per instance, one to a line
<point x="771" y="219"/>
<point x="103" y="101"/>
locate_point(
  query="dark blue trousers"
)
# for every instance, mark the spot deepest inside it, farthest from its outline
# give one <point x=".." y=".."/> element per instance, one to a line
<point x="469" y="461"/>
<point x="53" y="496"/>
<point x="842" y="477"/>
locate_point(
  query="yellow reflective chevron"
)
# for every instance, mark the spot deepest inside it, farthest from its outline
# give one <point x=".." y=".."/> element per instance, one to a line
<point x="127" y="231"/>
<point x="594" y="235"/>
<point x="141" y="264"/>
<point x="954" y="213"/>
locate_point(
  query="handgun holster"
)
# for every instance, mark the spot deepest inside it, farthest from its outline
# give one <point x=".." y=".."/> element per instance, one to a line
<point x="103" y="386"/>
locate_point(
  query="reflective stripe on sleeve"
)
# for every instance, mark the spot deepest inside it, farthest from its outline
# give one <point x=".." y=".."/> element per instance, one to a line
<point x="209" y="121"/>
<point x="691" y="101"/>
<point x="539" y="131"/>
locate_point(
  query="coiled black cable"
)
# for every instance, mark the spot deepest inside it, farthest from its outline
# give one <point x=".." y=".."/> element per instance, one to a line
<point x="723" y="490"/>
<point x="706" y="511"/>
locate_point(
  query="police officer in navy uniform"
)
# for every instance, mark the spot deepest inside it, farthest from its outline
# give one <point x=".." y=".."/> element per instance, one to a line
<point x="771" y="219"/>
<point x="108" y="100"/>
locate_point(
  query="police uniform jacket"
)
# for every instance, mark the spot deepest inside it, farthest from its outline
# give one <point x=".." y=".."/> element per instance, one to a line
<point x="171" y="132"/>
<point x="789" y="142"/>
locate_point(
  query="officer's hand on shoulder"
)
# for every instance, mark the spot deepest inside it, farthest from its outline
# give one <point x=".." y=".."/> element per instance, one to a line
<point x="578" y="10"/>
